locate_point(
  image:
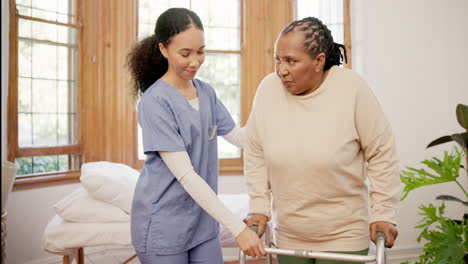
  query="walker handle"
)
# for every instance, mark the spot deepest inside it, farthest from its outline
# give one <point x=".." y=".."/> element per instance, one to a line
<point x="268" y="260"/>
<point x="380" y="256"/>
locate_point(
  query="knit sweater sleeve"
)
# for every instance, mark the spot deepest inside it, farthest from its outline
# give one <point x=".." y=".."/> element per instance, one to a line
<point x="378" y="143"/>
<point x="258" y="186"/>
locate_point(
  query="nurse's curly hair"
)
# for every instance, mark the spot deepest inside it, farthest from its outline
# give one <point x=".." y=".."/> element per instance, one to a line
<point x="318" y="39"/>
<point x="145" y="61"/>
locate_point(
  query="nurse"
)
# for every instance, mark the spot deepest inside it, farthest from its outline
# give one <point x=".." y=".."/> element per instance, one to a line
<point x="175" y="207"/>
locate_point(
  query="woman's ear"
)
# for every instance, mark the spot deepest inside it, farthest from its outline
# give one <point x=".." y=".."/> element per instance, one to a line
<point x="163" y="50"/>
<point x="320" y="61"/>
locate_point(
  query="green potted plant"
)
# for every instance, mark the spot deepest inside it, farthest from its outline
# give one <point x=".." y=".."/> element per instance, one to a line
<point x="447" y="239"/>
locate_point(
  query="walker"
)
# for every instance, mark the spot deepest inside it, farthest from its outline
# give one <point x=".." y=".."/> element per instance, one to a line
<point x="380" y="256"/>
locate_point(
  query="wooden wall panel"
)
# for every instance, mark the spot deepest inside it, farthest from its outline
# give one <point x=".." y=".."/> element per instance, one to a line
<point x="13" y="82"/>
<point x="347" y="32"/>
<point x="263" y="20"/>
<point x="108" y="117"/>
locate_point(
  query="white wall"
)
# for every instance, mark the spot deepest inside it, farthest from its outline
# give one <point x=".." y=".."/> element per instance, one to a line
<point x="28" y="214"/>
<point x="413" y="54"/>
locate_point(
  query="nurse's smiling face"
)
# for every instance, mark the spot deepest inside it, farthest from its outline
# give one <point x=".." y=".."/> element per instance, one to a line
<point x="185" y="53"/>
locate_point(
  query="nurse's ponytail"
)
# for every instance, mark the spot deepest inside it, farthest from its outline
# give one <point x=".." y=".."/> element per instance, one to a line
<point x="145" y="61"/>
<point x="146" y="65"/>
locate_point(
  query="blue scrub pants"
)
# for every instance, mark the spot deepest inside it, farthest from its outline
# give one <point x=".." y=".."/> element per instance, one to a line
<point x="208" y="252"/>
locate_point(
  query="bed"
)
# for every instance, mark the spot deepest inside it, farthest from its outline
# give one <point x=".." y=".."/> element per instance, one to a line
<point x="70" y="238"/>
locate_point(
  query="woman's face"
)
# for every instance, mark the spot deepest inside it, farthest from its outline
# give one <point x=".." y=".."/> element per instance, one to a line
<point x="299" y="73"/>
<point x="186" y="53"/>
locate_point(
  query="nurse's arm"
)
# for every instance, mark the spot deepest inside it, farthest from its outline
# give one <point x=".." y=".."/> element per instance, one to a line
<point x="180" y="165"/>
<point x="236" y="136"/>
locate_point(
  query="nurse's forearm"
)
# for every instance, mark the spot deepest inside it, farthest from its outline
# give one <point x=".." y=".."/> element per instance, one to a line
<point x="236" y="136"/>
<point x="180" y="165"/>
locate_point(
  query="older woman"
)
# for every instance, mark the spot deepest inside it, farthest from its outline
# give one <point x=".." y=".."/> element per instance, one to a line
<point x="316" y="132"/>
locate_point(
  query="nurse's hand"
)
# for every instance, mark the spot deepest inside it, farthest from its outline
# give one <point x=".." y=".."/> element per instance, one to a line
<point x="250" y="243"/>
<point x="388" y="229"/>
<point x="259" y="220"/>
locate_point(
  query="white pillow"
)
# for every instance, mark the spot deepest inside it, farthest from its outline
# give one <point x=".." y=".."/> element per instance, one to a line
<point x="109" y="182"/>
<point x="79" y="206"/>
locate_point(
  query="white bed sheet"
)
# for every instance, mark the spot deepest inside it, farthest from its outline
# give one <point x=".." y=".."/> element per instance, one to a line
<point x="62" y="237"/>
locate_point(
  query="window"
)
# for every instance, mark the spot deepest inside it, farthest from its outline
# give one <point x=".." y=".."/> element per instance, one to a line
<point x="334" y="14"/>
<point x="44" y="126"/>
<point x="222" y="66"/>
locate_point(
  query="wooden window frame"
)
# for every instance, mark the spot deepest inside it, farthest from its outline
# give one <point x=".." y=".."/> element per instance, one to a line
<point x="106" y="113"/>
<point x="14" y="151"/>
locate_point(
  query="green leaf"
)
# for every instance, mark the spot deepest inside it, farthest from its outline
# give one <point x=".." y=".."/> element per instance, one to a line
<point x="440" y="171"/>
<point x="438" y="141"/>
<point x="451" y="198"/>
<point x="462" y="115"/>
<point x="445" y="243"/>
<point x="460" y="138"/>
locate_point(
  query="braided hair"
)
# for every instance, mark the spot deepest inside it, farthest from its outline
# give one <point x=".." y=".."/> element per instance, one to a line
<point x="318" y="39"/>
<point x="145" y="61"/>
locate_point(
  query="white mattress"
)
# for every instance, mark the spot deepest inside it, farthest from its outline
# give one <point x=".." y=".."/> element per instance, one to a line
<point x="62" y="237"/>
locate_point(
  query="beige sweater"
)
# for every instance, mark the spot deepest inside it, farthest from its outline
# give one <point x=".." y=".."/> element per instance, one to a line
<point x="309" y="156"/>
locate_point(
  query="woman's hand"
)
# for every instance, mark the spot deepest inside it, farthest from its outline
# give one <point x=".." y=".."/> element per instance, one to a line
<point x="250" y="243"/>
<point x="259" y="220"/>
<point x="388" y="229"/>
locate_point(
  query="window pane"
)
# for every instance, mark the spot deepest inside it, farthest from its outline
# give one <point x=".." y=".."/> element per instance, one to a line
<point x="25" y="129"/>
<point x="44" y="96"/>
<point x="221" y="21"/>
<point x="44" y="132"/>
<point x="44" y="61"/>
<point x="24" y="95"/>
<point x="149" y="11"/>
<point x="67" y="131"/>
<point x="29" y="29"/>
<point x="67" y="91"/>
<point x="24" y="58"/>
<point x="47" y="84"/>
<point x="47" y="164"/>
<point x="330" y="12"/>
<point x="54" y="10"/>
<point x="222" y="71"/>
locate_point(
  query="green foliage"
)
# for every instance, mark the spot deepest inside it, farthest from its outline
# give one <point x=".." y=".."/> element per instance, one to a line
<point x="448" y="242"/>
<point x="440" y="171"/>
<point x="447" y="239"/>
<point x="431" y="215"/>
<point x="41" y="164"/>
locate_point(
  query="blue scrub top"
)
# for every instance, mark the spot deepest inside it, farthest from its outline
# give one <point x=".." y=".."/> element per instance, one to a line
<point x="165" y="219"/>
